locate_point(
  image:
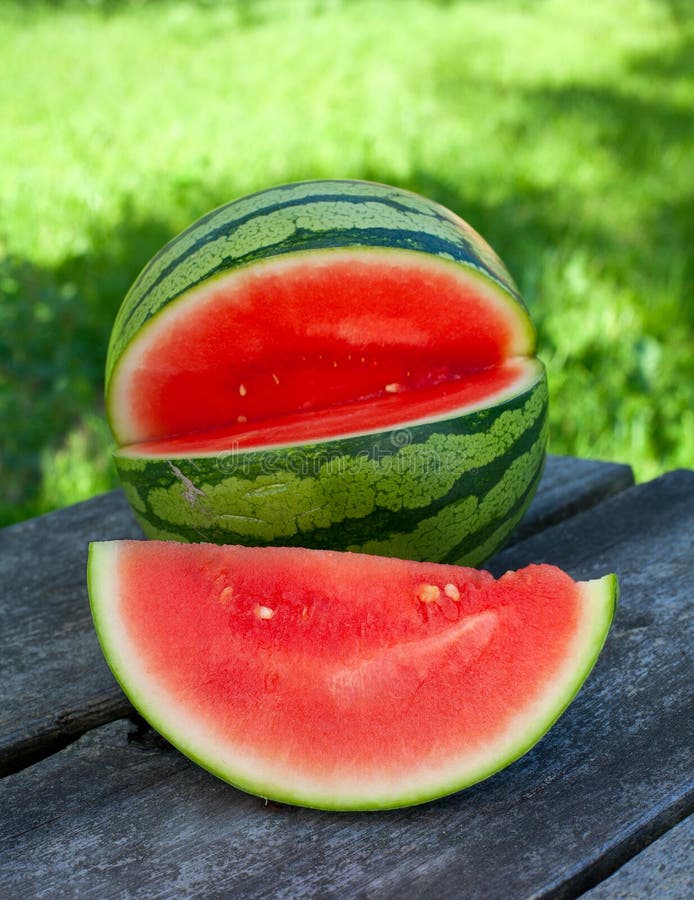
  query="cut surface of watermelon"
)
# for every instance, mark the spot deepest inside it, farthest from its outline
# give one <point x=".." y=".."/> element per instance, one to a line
<point x="396" y="410"/>
<point x="317" y="332"/>
<point x="340" y="680"/>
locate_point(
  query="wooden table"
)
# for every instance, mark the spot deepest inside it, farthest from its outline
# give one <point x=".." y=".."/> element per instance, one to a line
<point x="94" y="804"/>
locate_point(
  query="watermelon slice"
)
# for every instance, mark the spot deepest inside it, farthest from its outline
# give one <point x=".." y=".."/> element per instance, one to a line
<point x="341" y="680"/>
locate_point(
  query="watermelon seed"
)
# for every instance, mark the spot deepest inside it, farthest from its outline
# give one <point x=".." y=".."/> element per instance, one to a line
<point x="242" y="390"/>
<point x="428" y="593"/>
<point x="264" y="612"/>
<point x="275" y="378"/>
<point x="226" y="594"/>
<point x="393" y="388"/>
<point x="241" y="419"/>
<point x="452" y="591"/>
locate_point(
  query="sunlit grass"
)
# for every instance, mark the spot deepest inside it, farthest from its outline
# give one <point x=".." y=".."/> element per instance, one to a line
<point x="562" y="131"/>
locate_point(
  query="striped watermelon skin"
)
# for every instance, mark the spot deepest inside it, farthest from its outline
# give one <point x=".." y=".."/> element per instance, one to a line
<point x="445" y="488"/>
<point x="444" y="491"/>
<point x="302" y="217"/>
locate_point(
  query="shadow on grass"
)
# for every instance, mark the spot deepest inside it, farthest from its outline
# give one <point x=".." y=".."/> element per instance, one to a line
<point x="55" y="329"/>
<point x="643" y="132"/>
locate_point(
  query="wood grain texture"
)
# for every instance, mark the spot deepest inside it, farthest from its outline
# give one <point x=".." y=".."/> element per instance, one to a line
<point x="114" y="816"/>
<point x="646" y="535"/>
<point x="56" y="684"/>
<point x="571" y="486"/>
<point x="665" y="869"/>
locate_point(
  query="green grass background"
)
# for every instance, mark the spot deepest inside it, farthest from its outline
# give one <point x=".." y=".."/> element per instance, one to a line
<point x="562" y="131"/>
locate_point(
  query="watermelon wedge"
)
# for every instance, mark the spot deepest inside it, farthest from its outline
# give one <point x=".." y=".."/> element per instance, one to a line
<point x="328" y="364"/>
<point x="339" y="680"/>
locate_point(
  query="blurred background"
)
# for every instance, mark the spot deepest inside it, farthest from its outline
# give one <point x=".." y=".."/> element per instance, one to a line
<point x="562" y="131"/>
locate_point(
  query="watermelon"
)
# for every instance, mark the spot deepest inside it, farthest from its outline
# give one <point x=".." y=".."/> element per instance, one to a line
<point x="328" y="364"/>
<point x="338" y="680"/>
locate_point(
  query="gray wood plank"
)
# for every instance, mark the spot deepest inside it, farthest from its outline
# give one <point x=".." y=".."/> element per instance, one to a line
<point x="109" y="817"/>
<point x="55" y="683"/>
<point x="570" y="486"/>
<point x="665" y="869"/>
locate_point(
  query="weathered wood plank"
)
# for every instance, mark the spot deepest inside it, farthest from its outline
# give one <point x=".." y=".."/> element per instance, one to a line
<point x="613" y="774"/>
<point x="55" y="682"/>
<point x="665" y="869"/>
<point x="589" y="482"/>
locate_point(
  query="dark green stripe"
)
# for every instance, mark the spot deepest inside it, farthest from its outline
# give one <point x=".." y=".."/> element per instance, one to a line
<point x="307" y="239"/>
<point x="379" y="524"/>
<point x="470" y="542"/>
<point x="208" y="236"/>
<point x="460" y="248"/>
<point x="385" y="195"/>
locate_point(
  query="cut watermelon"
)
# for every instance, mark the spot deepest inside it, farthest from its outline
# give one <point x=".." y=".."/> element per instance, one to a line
<point x="332" y="364"/>
<point x="340" y="680"/>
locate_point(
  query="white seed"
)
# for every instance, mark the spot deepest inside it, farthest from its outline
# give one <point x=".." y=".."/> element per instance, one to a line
<point x="241" y="419"/>
<point x="242" y="390"/>
<point x="275" y="378"/>
<point x="393" y="388"/>
<point x="452" y="591"/>
<point x="264" y="612"/>
<point x="428" y="593"/>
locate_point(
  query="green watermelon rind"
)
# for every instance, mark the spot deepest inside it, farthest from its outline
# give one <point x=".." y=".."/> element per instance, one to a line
<point x="453" y="492"/>
<point x="600" y="597"/>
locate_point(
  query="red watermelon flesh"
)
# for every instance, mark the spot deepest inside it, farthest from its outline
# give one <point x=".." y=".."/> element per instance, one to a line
<point x="288" y="338"/>
<point x="341" y="680"/>
<point x="429" y="403"/>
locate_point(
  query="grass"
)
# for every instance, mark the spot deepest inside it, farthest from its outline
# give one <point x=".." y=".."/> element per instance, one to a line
<point x="561" y="131"/>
